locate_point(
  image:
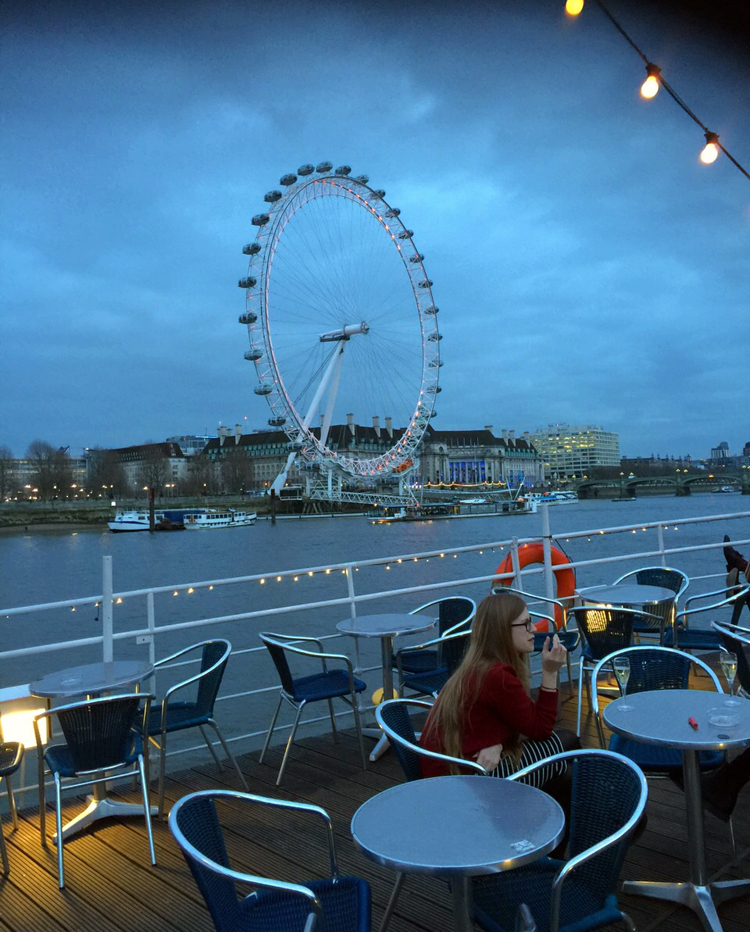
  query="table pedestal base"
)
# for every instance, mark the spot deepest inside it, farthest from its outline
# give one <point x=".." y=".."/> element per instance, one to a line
<point x="101" y="809"/>
<point x="381" y="742"/>
<point x="703" y="900"/>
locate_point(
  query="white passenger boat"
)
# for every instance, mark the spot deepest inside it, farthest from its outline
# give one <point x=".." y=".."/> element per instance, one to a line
<point x="553" y="498"/>
<point x="195" y="521"/>
<point x="133" y="521"/>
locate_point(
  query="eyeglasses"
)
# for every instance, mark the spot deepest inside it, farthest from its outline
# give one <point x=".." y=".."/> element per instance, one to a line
<point x="529" y="625"/>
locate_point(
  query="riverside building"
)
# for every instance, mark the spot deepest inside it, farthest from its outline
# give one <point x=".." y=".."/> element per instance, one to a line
<point x="569" y="451"/>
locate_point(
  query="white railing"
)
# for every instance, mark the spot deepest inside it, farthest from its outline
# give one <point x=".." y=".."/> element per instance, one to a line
<point x="350" y="601"/>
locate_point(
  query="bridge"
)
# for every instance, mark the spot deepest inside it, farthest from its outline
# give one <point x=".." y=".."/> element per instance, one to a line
<point x="680" y="483"/>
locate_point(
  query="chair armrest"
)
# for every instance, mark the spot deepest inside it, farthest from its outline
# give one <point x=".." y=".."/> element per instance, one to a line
<point x="722" y="603"/>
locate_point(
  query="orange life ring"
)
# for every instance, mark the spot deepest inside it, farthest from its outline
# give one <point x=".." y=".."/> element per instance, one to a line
<point x="565" y="575"/>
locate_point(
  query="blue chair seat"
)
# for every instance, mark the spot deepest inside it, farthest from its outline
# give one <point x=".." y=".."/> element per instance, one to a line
<point x="345" y="902"/>
<point x="59" y="758"/>
<point x="427" y="683"/>
<point x="179" y="715"/>
<point x="693" y="639"/>
<point x="328" y="685"/>
<point x="419" y="661"/>
<point x="496" y="900"/>
<point x="656" y="757"/>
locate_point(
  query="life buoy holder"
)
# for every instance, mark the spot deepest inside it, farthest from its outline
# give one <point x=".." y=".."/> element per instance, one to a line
<point x="565" y="575"/>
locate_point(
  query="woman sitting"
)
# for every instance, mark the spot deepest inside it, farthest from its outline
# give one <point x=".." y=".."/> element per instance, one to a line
<point x="485" y="713"/>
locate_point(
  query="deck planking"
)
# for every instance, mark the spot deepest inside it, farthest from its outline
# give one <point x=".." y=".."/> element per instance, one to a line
<point x="111" y="887"/>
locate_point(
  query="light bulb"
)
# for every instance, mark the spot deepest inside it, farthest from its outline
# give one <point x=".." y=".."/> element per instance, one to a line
<point x="573" y="7"/>
<point x="650" y="87"/>
<point x="710" y="151"/>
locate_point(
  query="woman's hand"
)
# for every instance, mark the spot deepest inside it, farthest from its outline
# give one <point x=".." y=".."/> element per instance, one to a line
<point x="489" y="757"/>
<point x="553" y="655"/>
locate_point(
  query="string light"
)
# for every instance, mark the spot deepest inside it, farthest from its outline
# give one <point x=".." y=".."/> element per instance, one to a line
<point x="654" y="81"/>
<point x="650" y="87"/>
<point x="710" y="152"/>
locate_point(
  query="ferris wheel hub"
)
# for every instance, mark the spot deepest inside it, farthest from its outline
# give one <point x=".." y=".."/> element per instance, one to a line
<point x="335" y="336"/>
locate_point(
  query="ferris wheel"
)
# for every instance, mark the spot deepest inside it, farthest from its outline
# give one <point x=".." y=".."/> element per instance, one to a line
<point x="341" y="321"/>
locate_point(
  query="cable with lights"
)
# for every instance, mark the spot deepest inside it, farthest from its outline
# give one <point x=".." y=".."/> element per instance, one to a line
<point x="655" y="80"/>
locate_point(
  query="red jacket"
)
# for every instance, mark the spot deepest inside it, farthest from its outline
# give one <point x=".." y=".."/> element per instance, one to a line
<point x="501" y="713"/>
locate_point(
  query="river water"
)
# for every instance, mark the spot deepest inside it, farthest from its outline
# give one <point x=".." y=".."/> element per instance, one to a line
<point x="47" y="566"/>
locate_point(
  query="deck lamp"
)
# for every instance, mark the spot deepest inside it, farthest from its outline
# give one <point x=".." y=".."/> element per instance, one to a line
<point x="573" y="7"/>
<point x="710" y="151"/>
<point x="18" y="709"/>
<point x="650" y="87"/>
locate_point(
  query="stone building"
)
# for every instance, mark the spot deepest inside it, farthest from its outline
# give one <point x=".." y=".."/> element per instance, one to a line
<point x="475" y="456"/>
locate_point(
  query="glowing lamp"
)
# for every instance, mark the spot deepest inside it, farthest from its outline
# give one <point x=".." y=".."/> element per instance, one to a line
<point x="710" y="151"/>
<point x="17" y="712"/>
<point x="573" y="7"/>
<point x="650" y="87"/>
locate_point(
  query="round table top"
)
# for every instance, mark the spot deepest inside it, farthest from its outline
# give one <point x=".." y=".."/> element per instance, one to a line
<point x="458" y="825"/>
<point x="90" y="679"/>
<point x="389" y="625"/>
<point x="660" y="716"/>
<point x="628" y="594"/>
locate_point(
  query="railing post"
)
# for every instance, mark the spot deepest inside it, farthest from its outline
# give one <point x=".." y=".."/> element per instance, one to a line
<point x="516" y="563"/>
<point x="107" y="610"/>
<point x="549" y="577"/>
<point x="660" y="538"/>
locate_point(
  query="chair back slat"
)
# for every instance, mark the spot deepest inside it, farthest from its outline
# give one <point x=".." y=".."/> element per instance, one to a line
<point x="278" y="655"/>
<point x="199" y="823"/>
<point x="605" y="794"/>
<point x="657" y="669"/>
<point x="605" y="629"/>
<point x="100" y="734"/>
<point x="208" y="686"/>
<point x="396" y="716"/>
<point x="453" y="611"/>
<point x="660" y="576"/>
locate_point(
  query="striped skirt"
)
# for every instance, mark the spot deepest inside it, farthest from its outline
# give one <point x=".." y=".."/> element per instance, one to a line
<point x="534" y="751"/>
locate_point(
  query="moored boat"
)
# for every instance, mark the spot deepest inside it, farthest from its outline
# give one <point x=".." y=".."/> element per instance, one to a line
<point x="553" y="498"/>
<point x="212" y="518"/>
<point x="135" y="520"/>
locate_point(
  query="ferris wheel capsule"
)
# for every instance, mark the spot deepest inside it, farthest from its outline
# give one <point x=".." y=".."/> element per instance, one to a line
<point x="248" y="318"/>
<point x="248" y="282"/>
<point x="287" y="180"/>
<point x="324" y="167"/>
<point x="270" y="197"/>
<point x="260" y="220"/>
<point x="343" y="170"/>
<point x="252" y="249"/>
<point x="305" y="170"/>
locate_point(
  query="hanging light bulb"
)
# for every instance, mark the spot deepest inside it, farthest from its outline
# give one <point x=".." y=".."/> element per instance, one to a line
<point x="573" y="7"/>
<point x="650" y="87"/>
<point x="710" y="151"/>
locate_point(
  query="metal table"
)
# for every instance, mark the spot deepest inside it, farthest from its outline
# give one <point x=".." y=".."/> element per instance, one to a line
<point x="661" y="717"/>
<point x="457" y="827"/>
<point x="627" y="595"/>
<point x="386" y="627"/>
<point x="91" y="680"/>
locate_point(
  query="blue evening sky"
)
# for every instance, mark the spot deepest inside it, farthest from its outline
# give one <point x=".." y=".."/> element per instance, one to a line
<point x="587" y="267"/>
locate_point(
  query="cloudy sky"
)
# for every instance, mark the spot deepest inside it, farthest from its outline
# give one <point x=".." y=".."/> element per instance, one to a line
<point x="588" y="269"/>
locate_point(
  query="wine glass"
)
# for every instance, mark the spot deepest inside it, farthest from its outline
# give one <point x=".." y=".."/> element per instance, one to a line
<point x="621" y="666"/>
<point x="728" y="661"/>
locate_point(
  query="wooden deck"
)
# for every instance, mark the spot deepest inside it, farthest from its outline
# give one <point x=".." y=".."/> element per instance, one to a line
<point x="110" y="885"/>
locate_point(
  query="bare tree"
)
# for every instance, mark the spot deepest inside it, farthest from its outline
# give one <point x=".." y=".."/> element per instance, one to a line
<point x="7" y="473"/>
<point x="52" y="473"/>
<point x="237" y="471"/>
<point x="105" y="474"/>
<point x="154" y="470"/>
<point x="202" y="478"/>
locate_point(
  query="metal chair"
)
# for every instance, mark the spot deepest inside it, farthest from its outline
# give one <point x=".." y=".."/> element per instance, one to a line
<point x="11" y="755"/>
<point x="102" y="736"/>
<point x="448" y="651"/>
<point x="454" y="614"/>
<point x="685" y="637"/>
<point x="609" y="795"/>
<point x="339" y="904"/>
<point x="667" y="578"/>
<point x="177" y="715"/>
<point x="394" y="720"/>
<point x="737" y="639"/>
<point x="298" y="692"/>
<point x="605" y="629"/>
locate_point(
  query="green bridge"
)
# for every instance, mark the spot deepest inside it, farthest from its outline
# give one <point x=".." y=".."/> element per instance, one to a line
<point x="681" y="484"/>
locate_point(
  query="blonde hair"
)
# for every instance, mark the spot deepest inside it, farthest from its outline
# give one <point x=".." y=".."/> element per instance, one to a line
<point x="491" y="642"/>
